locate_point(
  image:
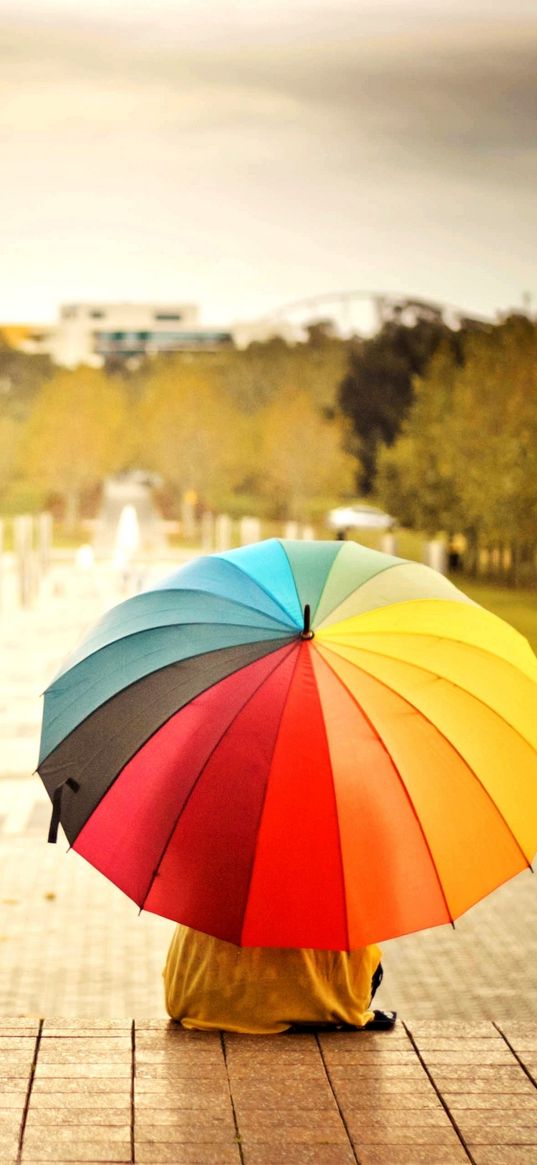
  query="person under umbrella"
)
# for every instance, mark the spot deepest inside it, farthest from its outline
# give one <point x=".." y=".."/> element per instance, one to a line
<point x="214" y="985"/>
<point x="302" y="747"/>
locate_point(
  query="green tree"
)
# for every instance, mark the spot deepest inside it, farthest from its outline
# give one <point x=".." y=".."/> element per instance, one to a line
<point x="377" y="392"/>
<point x="418" y="477"/>
<point x="467" y="454"/>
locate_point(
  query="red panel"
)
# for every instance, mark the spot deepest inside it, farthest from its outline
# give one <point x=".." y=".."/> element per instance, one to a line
<point x="204" y="877"/>
<point x="127" y="833"/>
<point x="296" y="897"/>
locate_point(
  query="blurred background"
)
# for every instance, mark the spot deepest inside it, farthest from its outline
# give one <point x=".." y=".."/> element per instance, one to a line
<point x="265" y="270"/>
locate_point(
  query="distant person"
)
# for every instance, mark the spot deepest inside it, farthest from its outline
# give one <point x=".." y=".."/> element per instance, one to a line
<point x="214" y="985"/>
<point x="455" y="552"/>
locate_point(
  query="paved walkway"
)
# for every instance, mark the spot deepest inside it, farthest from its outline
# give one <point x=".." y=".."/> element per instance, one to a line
<point x="92" y="1086"/>
<point x="151" y="1093"/>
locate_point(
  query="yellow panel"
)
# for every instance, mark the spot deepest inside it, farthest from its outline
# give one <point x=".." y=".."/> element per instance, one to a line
<point x="438" y="618"/>
<point x="501" y="759"/>
<point x="498" y="684"/>
<point x="472" y="848"/>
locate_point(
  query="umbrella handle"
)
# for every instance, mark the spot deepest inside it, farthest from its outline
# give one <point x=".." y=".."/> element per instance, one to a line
<point x="57" y="806"/>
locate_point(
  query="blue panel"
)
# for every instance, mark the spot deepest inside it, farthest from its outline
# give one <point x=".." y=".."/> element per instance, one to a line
<point x="73" y="696"/>
<point x="169" y="608"/>
<point x="219" y="574"/>
<point x="268" y="564"/>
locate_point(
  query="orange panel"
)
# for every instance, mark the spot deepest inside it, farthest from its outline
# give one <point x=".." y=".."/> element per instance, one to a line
<point x="391" y="883"/>
<point x="472" y="848"/>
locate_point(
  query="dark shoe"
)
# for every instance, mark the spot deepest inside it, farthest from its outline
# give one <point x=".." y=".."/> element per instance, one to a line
<point x="382" y="1021"/>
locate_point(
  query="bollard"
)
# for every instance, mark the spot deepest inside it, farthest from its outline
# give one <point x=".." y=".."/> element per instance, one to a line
<point x="23" y="529"/>
<point x="249" y="530"/>
<point x="388" y="544"/>
<point x="290" y="531"/>
<point x="435" y="555"/>
<point x="222" y="532"/>
<point x="44" y="540"/>
<point x="207" y="531"/>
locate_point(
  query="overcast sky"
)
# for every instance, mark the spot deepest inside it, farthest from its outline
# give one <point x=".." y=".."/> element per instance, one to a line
<point x="242" y="154"/>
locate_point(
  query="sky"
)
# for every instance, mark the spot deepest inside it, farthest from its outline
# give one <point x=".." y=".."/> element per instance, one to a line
<point x="244" y="154"/>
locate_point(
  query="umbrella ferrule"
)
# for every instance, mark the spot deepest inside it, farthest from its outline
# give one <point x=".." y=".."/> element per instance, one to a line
<point x="306" y="632"/>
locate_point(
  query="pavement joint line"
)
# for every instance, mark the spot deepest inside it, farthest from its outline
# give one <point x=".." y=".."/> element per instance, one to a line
<point x="336" y="1098"/>
<point x="238" y="1138"/>
<point x="29" y="1091"/>
<point x="516" y="1055"/>
<point x="447" y="1110"/>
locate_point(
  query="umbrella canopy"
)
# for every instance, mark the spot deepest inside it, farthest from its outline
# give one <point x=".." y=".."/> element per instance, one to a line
<point x="299" y="745"/>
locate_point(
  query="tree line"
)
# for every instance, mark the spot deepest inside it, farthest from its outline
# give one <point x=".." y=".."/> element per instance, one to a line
<point x="437" y="424"/>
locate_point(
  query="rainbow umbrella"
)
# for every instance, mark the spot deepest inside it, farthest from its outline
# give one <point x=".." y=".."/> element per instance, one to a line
<point x="298" y="744"/>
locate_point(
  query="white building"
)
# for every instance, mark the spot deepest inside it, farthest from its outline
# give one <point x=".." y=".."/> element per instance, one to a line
<point x="92" y="333"/>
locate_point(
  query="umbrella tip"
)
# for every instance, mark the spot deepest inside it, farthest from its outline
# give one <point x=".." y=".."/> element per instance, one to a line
<point x="306" y="632"/>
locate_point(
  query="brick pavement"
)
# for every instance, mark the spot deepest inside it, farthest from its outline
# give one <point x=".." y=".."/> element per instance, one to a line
<point x="148" y="1092"/>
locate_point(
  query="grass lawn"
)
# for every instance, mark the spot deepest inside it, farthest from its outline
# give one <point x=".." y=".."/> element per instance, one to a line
<point x="517" y="607"/>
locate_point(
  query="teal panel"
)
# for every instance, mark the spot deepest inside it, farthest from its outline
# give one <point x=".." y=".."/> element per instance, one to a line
<point x="76" y="694"/>
<point x="267" y="564"/>
<point x="168" y="608"/>
<point x="224" y="574"/>
<point x="311" y="563"/>
<point x="353" y="567"/>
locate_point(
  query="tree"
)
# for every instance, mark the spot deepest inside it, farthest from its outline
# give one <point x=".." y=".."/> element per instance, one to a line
<point x="21" y="377"/>
<point x="302" y="459"/>
<point x="190" y="432"/>
<point x="377" y="392"/>
<point x="467" y="454"/>
<point x="75" y="435"/>
<point x="418" y="477"/>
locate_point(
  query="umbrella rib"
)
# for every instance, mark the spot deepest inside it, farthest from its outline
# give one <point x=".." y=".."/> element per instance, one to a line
<point x="343" y="641"/>
<point x="340" y="601"/>
<point x="403" y="786"/>
<point x="156" y="700"/>
<point x="265" y="590"/>
<point x="147" y="655"/>
<point x="446" y="679"/>
<point x="280" y="662"/>
<point x="292" y="573"/>
<point x="454" y="749"/>
<point x="179" y="623"/>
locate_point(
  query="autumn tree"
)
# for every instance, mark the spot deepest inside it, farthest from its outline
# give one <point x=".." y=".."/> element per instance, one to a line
<point x="190" y="432"/>
<point x="76" y="434"/>
<point x="302" y="460"/>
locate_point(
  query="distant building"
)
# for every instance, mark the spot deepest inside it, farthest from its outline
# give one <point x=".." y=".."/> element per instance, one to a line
<point x="93" y="333"/>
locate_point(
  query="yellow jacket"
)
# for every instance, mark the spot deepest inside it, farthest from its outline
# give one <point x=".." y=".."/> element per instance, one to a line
<point x="211" y="984"/>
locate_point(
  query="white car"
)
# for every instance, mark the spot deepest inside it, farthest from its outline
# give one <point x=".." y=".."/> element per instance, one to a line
<point x="360" y="517"/>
